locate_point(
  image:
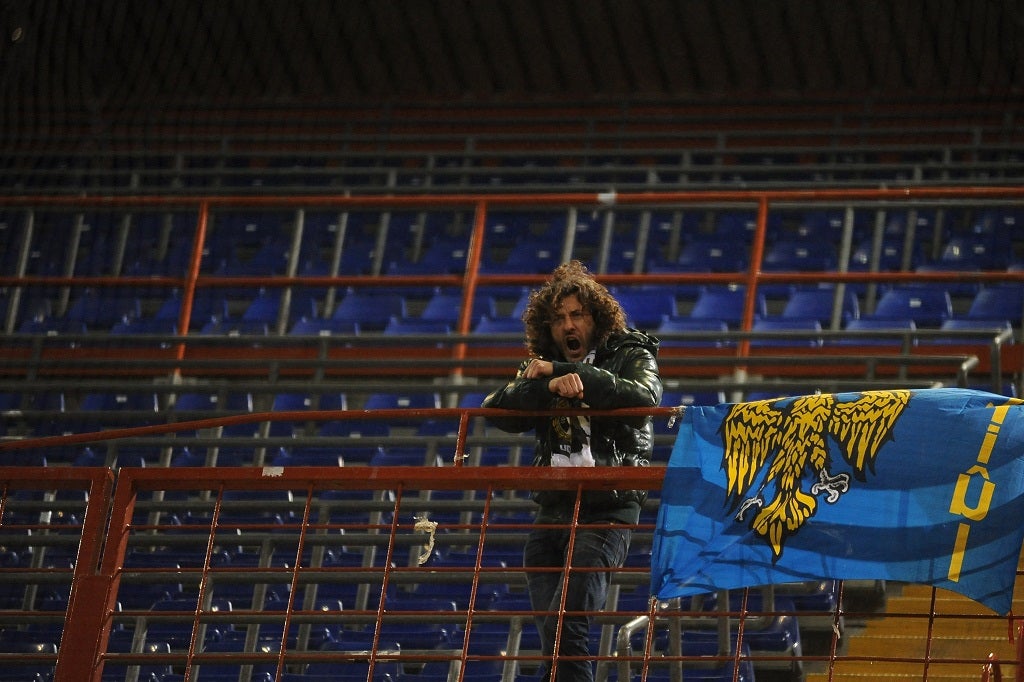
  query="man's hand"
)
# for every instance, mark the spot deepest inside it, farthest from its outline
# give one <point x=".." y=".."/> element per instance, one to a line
<point x="538" y="369"/>
<point x="567" y="386"/>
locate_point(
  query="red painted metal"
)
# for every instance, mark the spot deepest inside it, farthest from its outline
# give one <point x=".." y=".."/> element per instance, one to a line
<point x="1019" y="675"/>
<point x="469" y="284"/>
<point x="96" y="577"/>
<point x="89" y="588"/>
<point x="313" y="416"/>
<point x="991" y="671"/>
<point x="753" y="275"/>
<point x="195" y="261"/>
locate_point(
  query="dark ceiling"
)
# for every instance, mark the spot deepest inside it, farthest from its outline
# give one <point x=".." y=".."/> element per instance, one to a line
<point x="60" y="56"/>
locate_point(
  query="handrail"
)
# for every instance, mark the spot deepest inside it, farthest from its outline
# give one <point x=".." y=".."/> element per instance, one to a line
<point x="892" y="196"/>
<point x="93" y="610"/>
<point x="472" y="278"/>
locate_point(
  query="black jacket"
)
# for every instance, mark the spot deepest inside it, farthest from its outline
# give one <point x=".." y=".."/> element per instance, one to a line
<point x="624" y="374"/>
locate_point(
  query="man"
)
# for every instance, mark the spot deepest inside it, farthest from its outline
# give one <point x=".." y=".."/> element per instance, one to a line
<point x="581" y="355"/>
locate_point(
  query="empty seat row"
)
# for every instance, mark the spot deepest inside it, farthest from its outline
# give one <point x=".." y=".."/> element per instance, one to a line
<point x="258" y="243"/>
<point x="646" y="307"/>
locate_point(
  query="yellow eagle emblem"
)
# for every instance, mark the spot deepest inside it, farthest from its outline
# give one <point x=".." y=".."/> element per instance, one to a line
<point x="791" y="438"/>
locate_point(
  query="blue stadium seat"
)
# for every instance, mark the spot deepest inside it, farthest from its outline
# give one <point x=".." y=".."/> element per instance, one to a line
<point x="621" y="256"/>
<point x="704" y="643"/>
<point x="51" y="326"/>
<point x="178" y="633"/>
<point x="97" y="410"/>
<point x="445" y="257"/>
<point x="322" y="327"/>
<point x="890" y="256"/>
<point x="998" y="302"/>
<point x="330" y="401"/>
<point x="434" y="428"/>
<point x="206" y="306"/>
<point x="996" y="227"/>
<point x="974" y="253"/>
<point x="370" y="310"/>
<point x="735" y="225"/>
<point x="234" y="642"/>
<point x="354" y="671"/>
<point x="199" y="402"/>
<point x="103" y="308"/>
<point x="714" y="255"/>
<point x="120" y="642"/>
<point x="888" y="326"/>
<point x="526" y="257"/>
<point x="416" y="325"/>
<point x="341" y="506"/>
<point x="117" y="401"/>
<point x="805" y="327"/>
<point x="266" y="307"/>
<point x="296" y="402"/>
<point x="14" y="670"/>
<point x="472" y="399"/>
<point x="403" y="401"/>
<point x="308" y="401"/>
<point x="927" y="306"/>
<point x="461" y="592"/>
<point x="726" y="304"/>
<point x="645" y="308"/>
<point x="358" y="258"/>
<point x="160" y="327"/>
<point x="310" y="456"/>
<point x="505" y="228"/>
<point x="796" y="255"/>
<point x="234" y="510"/>
<point x="500" y="325"/>
<point x="520" y="303"/>
<point x="287" y="402"/>
<point x="472" y="671"/>
<point x="961" y="288"/>
<point x="446" y="306"/>
<point x="819" y="224"/>
<point x="355" y="428"/>
<point x="817" y="303"/>
<point x="800" y="255"/>
<point x="235" y="328"/>
<point x="684" y="324"/>
<point x="982" y="330"/>
<point x="491" y="638"/>
<point x="404" y="456"/>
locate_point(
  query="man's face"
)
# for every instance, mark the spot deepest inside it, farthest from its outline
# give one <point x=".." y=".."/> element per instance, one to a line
<point x="572" y="328"/>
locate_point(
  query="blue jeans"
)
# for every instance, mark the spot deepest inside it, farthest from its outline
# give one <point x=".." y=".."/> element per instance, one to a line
<point x="603" y="547"/>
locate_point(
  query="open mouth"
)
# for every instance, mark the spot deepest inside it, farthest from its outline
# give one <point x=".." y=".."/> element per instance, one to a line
<point x="573" y="344"/>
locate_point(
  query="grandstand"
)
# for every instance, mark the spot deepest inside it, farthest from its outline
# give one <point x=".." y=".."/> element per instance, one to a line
<point x="249" y="317"/>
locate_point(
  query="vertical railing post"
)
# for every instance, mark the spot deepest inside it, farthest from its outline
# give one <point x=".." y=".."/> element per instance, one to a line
<point x="86" y="629"/>
<point x="469" y="280"/>
<point x="195" y="262"/>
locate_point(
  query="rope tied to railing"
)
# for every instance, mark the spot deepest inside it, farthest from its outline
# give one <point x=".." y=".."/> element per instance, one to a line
<point x="424" y="525"/>
<point x="677" y="412"/>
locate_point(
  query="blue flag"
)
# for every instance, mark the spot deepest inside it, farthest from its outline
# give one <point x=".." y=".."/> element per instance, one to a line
<point x="920" y="486"/>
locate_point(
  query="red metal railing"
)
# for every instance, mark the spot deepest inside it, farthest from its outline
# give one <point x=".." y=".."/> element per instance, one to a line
<point x="101" y="572"/>
<point x="99" y="568"/>
<point x="764" y="200"/>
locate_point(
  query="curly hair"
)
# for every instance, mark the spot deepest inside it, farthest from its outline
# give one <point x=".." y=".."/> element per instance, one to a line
<point x="569" y="279"/>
